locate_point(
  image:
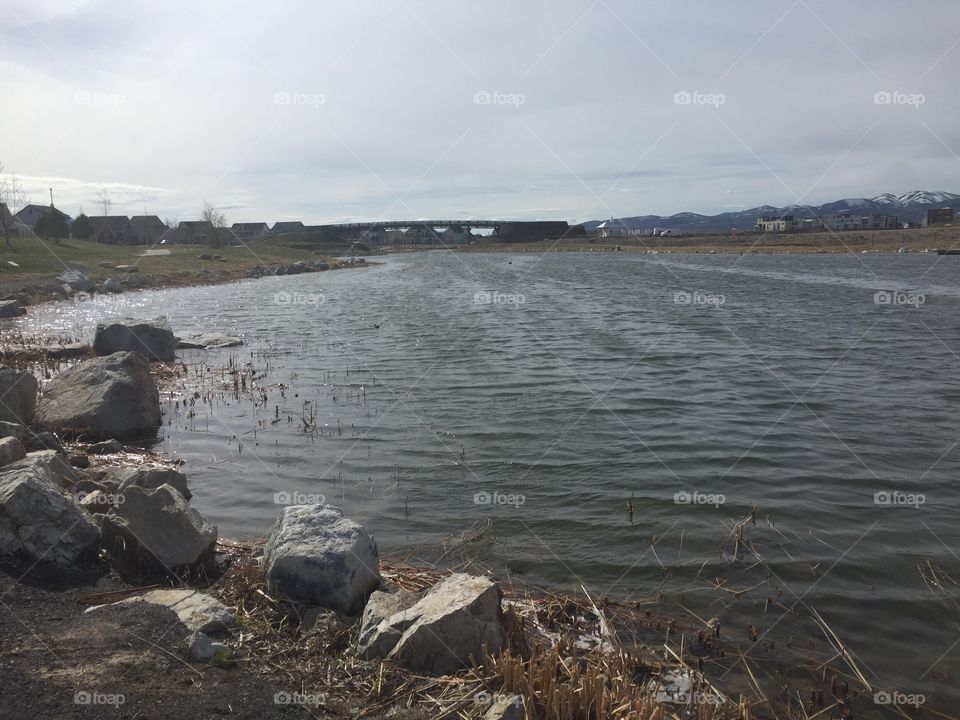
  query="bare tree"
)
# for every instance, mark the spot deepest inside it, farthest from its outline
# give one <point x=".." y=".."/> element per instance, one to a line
<point x="104" y="202"/>
<point x="13" y="197"/>
<point x="217" y="220"/>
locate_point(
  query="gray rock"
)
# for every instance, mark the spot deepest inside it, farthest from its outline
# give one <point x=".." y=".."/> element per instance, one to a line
<point x="11" y="309"/>
<point x="13" y="429"/>
<point x="11" y="450"/>
<point x="107" y="264"/>
<point x="296" y="268"/>
<point x="317" y="556"/>
<point x="107" y="397"/>
<point x="112" y="285"/>
<point x="127" y="268"/>
<point x="203" y="649"/>
<point x="377" y="638"/>
<point x="445" y="630"/>
<point x="54" y="467"/>
<point x="506" y="707"/>
<point x="150" y="477"/>
<point x="18" y="396"/>
<point x="208" y="341"/>
<point x="96" y="502"/>
<point x="157" y="532"/>
<point x="42" y="441"/>
<point x="39" y="523"/>
<point x="198" y="611"/>
<point x="152" y="338"/>
<point x="105" y="447"/>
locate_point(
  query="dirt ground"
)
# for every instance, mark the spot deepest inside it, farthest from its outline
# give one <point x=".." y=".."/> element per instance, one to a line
<point x="125" y="662"/>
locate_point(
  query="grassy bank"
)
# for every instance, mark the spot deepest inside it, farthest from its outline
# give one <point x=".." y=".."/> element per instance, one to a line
<point x="915" y="240"/>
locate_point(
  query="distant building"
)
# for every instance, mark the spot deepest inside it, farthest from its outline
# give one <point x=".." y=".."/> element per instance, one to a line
<point x="851" y="221"/>
<point x="456" y="235"/>
<point x="938" y="216"/>
<point x="31" y="214"/>
<point x="194" y="232"/>
<point x="245" y="232"/>
<point x="614" y="229"/>
<point x="281" y="228"/>
<point x="109" y="229"/>
<point x="775" y="223"/>
<point x="148" y="230"/>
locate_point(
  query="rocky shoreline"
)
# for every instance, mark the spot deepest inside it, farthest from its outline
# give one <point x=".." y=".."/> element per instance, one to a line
<point x="120" y="593"/>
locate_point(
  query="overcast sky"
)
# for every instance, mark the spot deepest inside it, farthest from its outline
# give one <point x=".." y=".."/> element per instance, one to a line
<point x="535" y="109"/>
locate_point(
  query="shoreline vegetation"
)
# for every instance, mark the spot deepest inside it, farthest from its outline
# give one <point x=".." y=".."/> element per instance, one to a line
<point x="73" y="637"/>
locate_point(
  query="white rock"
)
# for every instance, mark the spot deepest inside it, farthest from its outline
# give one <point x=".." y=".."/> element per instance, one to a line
<point x="203" y="649"/>
<point x="316" y="556"/>
<point x="506" y="707"/>
<point x="198" y="611"/>
<point x="445" y="630"/>
<point x="11" y="450"/>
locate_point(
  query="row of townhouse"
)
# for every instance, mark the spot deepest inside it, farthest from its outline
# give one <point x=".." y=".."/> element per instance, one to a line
<point x="832" y="221"/>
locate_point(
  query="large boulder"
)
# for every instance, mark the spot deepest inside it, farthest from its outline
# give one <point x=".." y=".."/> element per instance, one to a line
<point x="152" y="338"/>
<point x="11" y="450"/>
<point x="38" y="522"/>
<point x="155" y="532"/>
<point x="107" y="397"/>
<point x="317" y="556"/>
<point x="444" y="631"/>
<point x="209" y="341"/>
<point x="150" y="477"/>
<point x="18" y="396"/>
<point x="112" y="285"/>
<point x="55" y="468"/>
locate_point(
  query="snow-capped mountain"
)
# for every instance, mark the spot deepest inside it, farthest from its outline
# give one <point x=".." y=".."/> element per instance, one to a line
<point x="909" y="207"/>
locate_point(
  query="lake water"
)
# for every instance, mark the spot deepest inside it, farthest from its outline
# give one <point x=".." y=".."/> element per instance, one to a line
<point x="552" y="393"/>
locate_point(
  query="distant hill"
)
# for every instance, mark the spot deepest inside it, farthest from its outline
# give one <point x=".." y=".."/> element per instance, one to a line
<point x="909" y="207"/>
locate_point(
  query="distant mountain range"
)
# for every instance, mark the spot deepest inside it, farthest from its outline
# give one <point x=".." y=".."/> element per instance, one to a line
<point x="909" y="207"/>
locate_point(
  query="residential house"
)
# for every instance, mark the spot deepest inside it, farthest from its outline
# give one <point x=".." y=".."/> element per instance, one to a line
<point x="109" y="229"/>
<point x="938" y="216"/>
<point x="195" y="232"/>
<point x="148" y="230"/>
<point x="249" y="231"/>
<point x="30" y="214"/>
<point x="613" y="229"/>
<point x="280" y="228"/>
<point x="851" y="221"/>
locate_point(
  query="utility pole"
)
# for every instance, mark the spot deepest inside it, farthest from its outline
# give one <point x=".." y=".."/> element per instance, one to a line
<point x="51" y="197"/>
